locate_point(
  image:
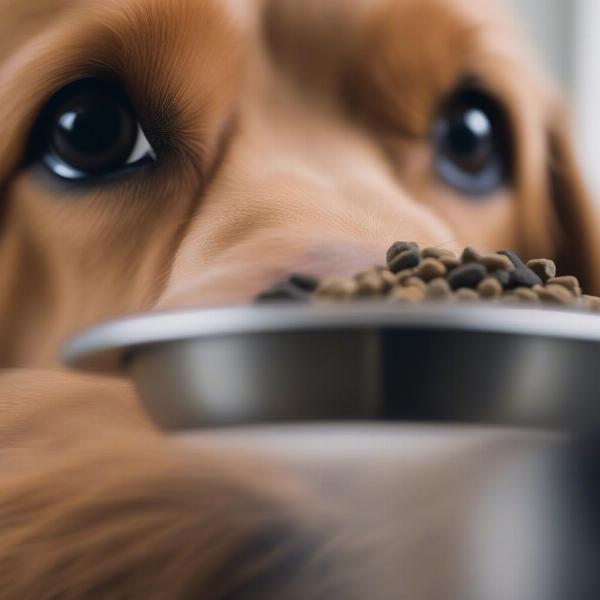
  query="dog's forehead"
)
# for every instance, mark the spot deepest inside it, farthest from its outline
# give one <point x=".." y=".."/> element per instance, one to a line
<point x="19" y="14"/>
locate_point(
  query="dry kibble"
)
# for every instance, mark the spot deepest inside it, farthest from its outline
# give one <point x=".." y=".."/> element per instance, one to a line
<point x="490" y="288"/>
<point x="369" y="283"/>
<point x="470" y="255"/>
<point x="466" y="295"/>
<point x="405" y="260"/>
<point x="438" y="289"/>
<point x="591" y="302"/>
<point x="404" y="275"/>
<point x="556" y="294"/>
<point x="497" y="262"/>
<point x="406" y="295"/>
<point x="450" y="262"/>
<point x="468" y="275"/>
<point x="437" y="275"/>
<point x="399" y="247"/>
<point x="526" y="295"/>
<point x="415" y="282"/>
<point x="571" y="283"/>
<point x="431" y="268"/>
<point x="337" y="288"/>
<point x="545" y="269"/>
<point x="388" y="278"/>
<point x="437" y="253"/>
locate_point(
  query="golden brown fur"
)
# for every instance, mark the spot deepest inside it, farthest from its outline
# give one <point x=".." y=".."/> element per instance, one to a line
<point x="295" y="136"/>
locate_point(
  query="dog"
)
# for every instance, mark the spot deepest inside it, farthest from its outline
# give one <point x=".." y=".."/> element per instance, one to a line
<point x="167" y="154"/>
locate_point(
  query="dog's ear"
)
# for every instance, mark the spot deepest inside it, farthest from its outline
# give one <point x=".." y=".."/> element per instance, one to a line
<point x="577" y="224"/>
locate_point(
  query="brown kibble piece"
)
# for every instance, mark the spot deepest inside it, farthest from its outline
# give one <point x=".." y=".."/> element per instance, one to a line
<point x="526" y="294"/>
<point x="437" y="253"/>
<point x="415" y="282"/>
<point x="388" y="278"/>
<point x="369" y="283"/>
<point x="555" y="294"/>
<point x="438" y="289"/>
<point x="497" y="262"/>
<point x="450" y="262"/>
<point x="404" y="275"/>
<point x="470" y="255"/>
<point x="466" y="295"/>
<point x="337" y="288"/>
<point x="545" y="269"/>
<point x="431" y="268"/>
<point x="591" y="302"/>
<point x="490" y="288"/>
<point x="569" y="282"/>
<point x="406" y="295"/>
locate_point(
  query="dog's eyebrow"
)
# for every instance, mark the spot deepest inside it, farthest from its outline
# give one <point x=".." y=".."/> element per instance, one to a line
<point x="395" y="58"/>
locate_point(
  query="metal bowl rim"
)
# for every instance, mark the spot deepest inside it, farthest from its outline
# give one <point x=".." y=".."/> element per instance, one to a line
<point x="103" y="348"/>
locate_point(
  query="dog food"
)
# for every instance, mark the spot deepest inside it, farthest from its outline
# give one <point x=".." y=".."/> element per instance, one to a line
<point x="415" y="275"/>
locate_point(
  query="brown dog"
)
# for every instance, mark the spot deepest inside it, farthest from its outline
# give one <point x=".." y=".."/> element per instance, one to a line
<point x="277" y="135"/>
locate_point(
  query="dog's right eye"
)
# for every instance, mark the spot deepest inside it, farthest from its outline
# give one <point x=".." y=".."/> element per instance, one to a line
<point x="89" y="129"/>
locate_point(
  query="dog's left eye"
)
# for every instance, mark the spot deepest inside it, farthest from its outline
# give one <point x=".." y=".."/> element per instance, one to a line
<point x="90" y="129"/>
<point x="471" y="144"/>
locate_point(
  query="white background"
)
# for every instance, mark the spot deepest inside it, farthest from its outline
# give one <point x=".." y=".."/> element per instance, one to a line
<point x="567" y="34"/>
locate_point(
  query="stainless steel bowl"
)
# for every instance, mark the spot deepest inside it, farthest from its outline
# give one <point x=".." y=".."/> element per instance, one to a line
<point x="466" y="364"/>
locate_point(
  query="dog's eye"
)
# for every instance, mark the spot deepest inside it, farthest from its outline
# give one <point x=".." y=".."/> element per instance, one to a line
<point x="90" y="129"/>
<point x="471" y="144"/>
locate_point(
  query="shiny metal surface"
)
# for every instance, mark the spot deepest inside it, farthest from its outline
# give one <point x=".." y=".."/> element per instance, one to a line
<point x="469" y="364"/>
<point x="421" y="512"/>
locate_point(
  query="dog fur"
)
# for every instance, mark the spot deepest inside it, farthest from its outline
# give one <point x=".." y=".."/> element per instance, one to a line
<point x="292" y="135"/>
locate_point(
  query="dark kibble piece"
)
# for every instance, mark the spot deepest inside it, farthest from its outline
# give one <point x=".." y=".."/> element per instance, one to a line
<point x="405" y="260"/>
<point x="308" y="283"/>
<point x="503" y="278"/>
<point x="467" y="276"/>
<point x="514" y="259"/>
<point x="522" y="276"/>
<point x="283" y="292"/>
<point x="545" y="269"/>
<point x="398" y="248"/>
<point x="569" y="282"/>
<point x="470" y="255"/>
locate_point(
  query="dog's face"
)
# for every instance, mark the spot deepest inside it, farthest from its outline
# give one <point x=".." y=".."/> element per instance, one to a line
<point x="175" y="153"/>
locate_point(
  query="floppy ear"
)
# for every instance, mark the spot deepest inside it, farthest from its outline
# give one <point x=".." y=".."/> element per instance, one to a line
<point x="577" y="228"/>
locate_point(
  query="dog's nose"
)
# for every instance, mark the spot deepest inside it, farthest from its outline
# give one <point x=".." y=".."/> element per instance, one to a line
<point x="239" y="275"/>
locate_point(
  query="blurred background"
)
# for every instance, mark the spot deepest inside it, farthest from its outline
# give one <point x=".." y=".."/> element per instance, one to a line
<point x="567" y="35"/>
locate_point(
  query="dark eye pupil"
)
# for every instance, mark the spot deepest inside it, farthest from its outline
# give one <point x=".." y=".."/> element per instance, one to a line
<point x="93" y="126"/>
<point x="471" y="152"/>
<point x="94" y="133"/>
<point x="88" y="128"/>
<point x="469" y="138"/>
